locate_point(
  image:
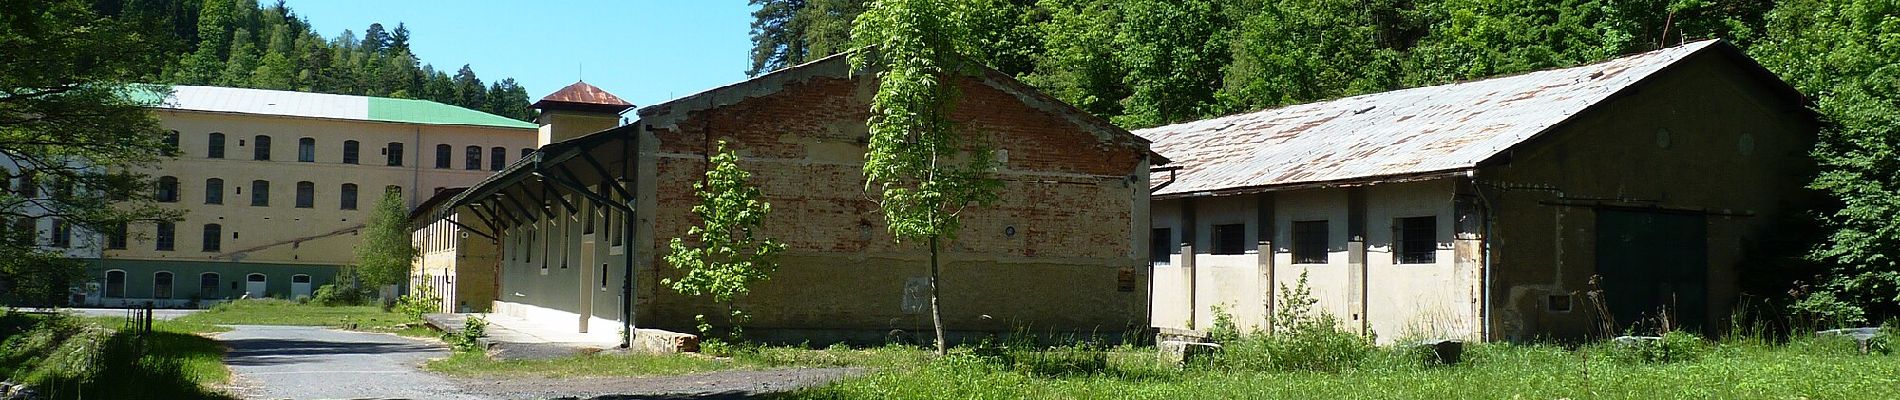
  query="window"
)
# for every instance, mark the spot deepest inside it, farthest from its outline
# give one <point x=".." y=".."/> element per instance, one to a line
<point x="498" y="158"/>
<point x="1230" y="239"/>
<point x="62" y="234"/>
<point x="261" y="150"/>
<point x="214" y="146"/>
<point x="526" y="151"/>
<point x="260" y="193"/>
<point x="115" y="283"/>
<point x="29" y="185"/>
<point x="208" y="285"/>
<point x="214" y="235"/>
<point x="1309" y="242"/>
<point x="442" y="156"/>
<point x="349" y="197"/>
<point x="1161" y="246"/>
<point x="350" y="151"/>
<point x="171" y="144"/>
<point x="167" y="189"/>
<point x="1417" y="240"/>
<point x="162" y="285"/>
<point x="31" y="227"/>
<point x="306" y="150"/>
<point x="115" y="239"/>
<point x="164" y="240"/>
<point x="214" y="191"/>
<point x="306" y="194"/>
<point x="395" y="154"/>
<point x="474" y="158"/>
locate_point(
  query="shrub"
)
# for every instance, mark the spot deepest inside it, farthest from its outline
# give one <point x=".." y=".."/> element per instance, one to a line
<point x="469" y="338"/>
<point x="337" y="294"/>
<point x="422" y="301"/>
<point x="1305" y="338"/>
<point x="1884" y="340"/>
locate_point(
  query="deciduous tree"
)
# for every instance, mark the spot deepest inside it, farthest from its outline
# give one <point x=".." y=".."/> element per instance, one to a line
<point x="727" y="255"/>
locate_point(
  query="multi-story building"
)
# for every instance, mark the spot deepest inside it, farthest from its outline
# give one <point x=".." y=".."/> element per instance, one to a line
<point x="275" y="186"/>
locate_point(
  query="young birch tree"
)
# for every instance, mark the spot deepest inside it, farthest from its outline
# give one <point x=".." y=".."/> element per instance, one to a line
<point x="925" y="171"/>
<point x="730" y="255"/>
<point x="387" y="251"/>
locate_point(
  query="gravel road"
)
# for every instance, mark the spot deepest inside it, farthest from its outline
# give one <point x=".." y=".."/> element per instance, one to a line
<point x="296" y="362"/>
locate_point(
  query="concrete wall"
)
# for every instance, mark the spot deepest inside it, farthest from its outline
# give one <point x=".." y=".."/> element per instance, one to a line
<point x="1389" y="299"/>
<point x="1703" y="138"/>
<point x="140" y="276"/>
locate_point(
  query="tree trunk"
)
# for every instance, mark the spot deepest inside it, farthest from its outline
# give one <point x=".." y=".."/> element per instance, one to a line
<point x="936" y="314"/>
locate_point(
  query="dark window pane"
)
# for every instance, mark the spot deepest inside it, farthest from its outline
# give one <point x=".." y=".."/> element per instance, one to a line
<point x="306" y="150"/>
<point x="162" y="285"/>
<point x="498" y="158"/>
<point x="350" y="151"/>
<point x="442" y="156"/>
<point x="260" y="193"/>
<point x="213" y="238"/>
<point x="171" y="144"/>
<point x="115" y="239"/>
<point x="306" y="194"/>
<point x="395" y="154"/>
<point x="167" y="189"/>
<point x="526" y="152"/>
<point x="165" y="239"/>
<point x="115" y="283"/>
<point x="1309" y="242"/>
<point x="214" y="147"/>
<point x="349" y="197"/>
<point x="62" y="234"/>
<point x="1418" y="240"/>
<point x="1161" y="246"/>
<point x="261" y="149"/>
<point x="214" y="191"/>
<point x="473" y="158"/>
<point x="208" y="285"/>
<point x="1230" y="239"/>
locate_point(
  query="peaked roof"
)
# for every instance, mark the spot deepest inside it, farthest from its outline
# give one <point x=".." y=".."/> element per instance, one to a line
<point x="581" y="95"/>
<point x="1397" y="134"/>
<point x="329" y="106"/>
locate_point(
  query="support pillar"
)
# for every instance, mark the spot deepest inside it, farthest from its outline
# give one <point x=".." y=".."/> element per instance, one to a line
<point x="1356" y="259"/>
<point x="1266" y="286"/>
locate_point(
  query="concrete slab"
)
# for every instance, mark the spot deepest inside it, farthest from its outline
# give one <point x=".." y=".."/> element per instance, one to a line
<point x="515" y="338"/>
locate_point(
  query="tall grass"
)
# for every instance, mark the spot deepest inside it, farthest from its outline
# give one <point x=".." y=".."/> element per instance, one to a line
<point x="63" y="357"/>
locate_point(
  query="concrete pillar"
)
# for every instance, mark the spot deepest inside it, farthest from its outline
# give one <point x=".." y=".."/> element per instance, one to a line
<point x="1189" y="229"/>
<point x="1263" y="231"/>
<point x="1356" y="259"/>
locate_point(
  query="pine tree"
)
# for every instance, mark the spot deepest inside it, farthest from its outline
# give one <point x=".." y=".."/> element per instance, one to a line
<point x="244" y="60"/>
<point x="469" y="92"/>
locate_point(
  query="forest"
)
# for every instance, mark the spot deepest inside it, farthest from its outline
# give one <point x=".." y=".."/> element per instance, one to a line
<point x="239" y="43"/>
<point x="1143" y="63"/>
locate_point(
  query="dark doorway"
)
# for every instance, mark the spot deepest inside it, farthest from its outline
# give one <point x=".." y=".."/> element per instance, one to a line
<point x="1649" y="261"/>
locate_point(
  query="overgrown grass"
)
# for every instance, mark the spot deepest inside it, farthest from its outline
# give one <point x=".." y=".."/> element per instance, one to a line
<point x="283" y="312"/>
<point x="642" y="364"/>
<point x="65" y="357"/>
<point x="1806" y="368"/>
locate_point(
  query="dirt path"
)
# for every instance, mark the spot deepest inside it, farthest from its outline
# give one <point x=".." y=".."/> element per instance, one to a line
<point x="712" y="385"/>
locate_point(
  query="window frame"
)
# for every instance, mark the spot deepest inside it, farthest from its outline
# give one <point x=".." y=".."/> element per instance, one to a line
<point x="306" y="149"/>
<point x="1224" y="245"/>
<point x="498" y="158"/>
<point x="1311" y="236"/>
<point x="167" y="189"/>
<point x="213" y="238"/>
<point x="443" y="152"/>
<point x="164" y="284"/>
<point x="214" y="145"/>
<point x="306" y="194"/>
<point x="472" y="158"/>
<point x="260" y="148"/>
<point x="393" y="151"/>
<point x="214" y="191"/>
<point x="1406" y="246"/>
<point x="352" y="152"/>
<point x="347" y="197"/>
<point x="260" y="193"/>
<point x="108" y="290"/>
<point x="209" y="291"/>
<point x="165" y="237"/>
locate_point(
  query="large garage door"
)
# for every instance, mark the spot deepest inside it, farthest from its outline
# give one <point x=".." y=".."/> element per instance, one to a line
<point x="1651" y="260"/>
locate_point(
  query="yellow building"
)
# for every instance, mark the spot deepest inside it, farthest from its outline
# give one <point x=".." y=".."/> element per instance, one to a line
<point x="276" y="185"/>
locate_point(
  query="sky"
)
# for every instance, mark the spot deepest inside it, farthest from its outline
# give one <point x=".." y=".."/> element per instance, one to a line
<point x="645" y="51"/>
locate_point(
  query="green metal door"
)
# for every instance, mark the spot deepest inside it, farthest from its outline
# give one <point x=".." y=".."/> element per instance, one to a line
<point x="1649" y="261"/>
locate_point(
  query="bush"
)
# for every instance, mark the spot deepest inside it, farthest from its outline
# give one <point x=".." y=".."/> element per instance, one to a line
<point x="469" y="338"/>
<point x="1305" y="339"/>
<point x="1885" y="340"/>
<point x="421" y="301"/>
<point x="1675" y="346"/>
<point x="342" y="295"/>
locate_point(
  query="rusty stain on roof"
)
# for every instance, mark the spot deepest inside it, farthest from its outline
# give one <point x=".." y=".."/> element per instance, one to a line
<point x="1405" y="132"/>
<point x="581" y="93"/>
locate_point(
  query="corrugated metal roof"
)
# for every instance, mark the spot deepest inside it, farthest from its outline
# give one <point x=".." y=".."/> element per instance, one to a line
<point x="332" y="106"/>
<point x="1398" y="133"/>
<point x="583" y="93"/>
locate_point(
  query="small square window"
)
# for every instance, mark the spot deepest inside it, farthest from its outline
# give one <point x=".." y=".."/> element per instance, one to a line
<point x="1161" y="246"/>
<point x="1417" y="240"/>
<point x="1230" y="239"/>
<point x="1558" y="303"/>
<point x="1309" y="242"/>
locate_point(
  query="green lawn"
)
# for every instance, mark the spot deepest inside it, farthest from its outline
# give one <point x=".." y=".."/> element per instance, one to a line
<point x="283" y="312"/>
<point x="1807" y="369"/>
<point x="640" y="364"/>
<point x="78" y="357"/>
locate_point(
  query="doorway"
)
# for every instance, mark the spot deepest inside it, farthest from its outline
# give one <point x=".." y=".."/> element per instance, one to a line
<point x="254" y="286"/>
<point x="299" y="286"/>
<point x="1650" y="262"/>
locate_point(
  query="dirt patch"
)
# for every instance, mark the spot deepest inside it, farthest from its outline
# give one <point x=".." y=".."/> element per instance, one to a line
<point x="711" y="385"/>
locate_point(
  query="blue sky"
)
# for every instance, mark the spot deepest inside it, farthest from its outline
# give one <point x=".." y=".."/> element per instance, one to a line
<point x="645" y="51"/>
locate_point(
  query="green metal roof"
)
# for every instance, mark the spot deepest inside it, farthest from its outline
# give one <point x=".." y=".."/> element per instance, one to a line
<point x="332" y="106"/>
<point x="429" y="112"/>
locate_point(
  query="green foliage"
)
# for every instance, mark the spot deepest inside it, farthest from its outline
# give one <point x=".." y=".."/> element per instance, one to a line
<point x="1673" y="347"/>
<point x="728" y="256"/>
<point x="420" y="301"/>
<point x="1021" y="353"/>
<point x="1304" y="338"/>
<point x="1174" y="51"/>
<point x="63" y="357"/>
<point x="469" y="338"/>
<point x="386" y="252"/>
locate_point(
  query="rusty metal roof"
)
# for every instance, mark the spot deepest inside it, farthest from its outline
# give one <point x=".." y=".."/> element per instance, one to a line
<point x="1409" y="132"/>
<point x="583" y="94"/>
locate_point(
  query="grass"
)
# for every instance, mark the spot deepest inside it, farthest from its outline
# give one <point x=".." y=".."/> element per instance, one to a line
<point x="642" y="364"/>
<point x="76" y="357"/>
<point x="284" y="312"/>
<point x="1804" y="369"/>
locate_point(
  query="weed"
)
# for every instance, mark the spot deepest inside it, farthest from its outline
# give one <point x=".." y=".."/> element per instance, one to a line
<point x="470" y="337"/>
<point x="1305" y="338"/>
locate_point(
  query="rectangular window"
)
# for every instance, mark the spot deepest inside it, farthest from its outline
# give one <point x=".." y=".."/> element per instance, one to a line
<point x="214" y="191"/>
<point x="348" y="202"/>
<point x="306" y="150"/>
<point x="162" y="285"/>
<point x="215" y="147"/>
<point x="306" y="194"/>
<point x="442" y="152"/>
<point x="62" y="234"/>
<point x="394" y="151"/>
<point x="213" y="238"/>
<point x="1309" y="242"/>
<point x="208" y="285"/>
<point x="260" y="149"/>
<point x="350" y="152"/>
<point x="472" y="158"/>
<point x="498" y="158"/>
<point x="166" y="237"/>
<point x="1417" y="240"/>
<point x="1230" y="239"/>
<point x="260" y="193"/>
<point x="115" y="239"/>
<point x="1161" y="246"/>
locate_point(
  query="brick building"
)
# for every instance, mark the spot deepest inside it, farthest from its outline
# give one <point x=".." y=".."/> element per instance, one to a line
<point x="1060" y="252"/>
